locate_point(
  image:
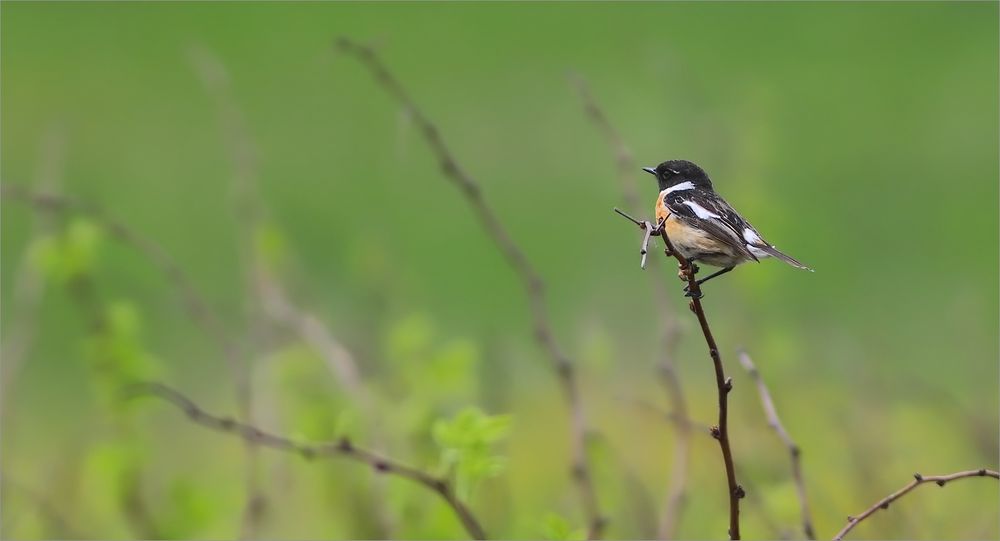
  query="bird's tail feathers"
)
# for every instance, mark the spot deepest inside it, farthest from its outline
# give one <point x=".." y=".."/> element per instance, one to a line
<point x="774" y="252"/>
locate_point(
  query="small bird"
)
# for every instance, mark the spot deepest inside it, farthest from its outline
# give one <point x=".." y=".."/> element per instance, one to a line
<point x="702" y="226"/>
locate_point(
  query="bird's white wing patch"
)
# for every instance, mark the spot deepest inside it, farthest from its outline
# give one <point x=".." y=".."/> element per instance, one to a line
<point x="687" y="185"/>
<point x="751" y="236"/>
<point x="701" y="211"/>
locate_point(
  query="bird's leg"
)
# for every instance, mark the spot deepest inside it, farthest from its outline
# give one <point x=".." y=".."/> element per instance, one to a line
<point x="687" y="289"/>
<point x="714" y="274"/>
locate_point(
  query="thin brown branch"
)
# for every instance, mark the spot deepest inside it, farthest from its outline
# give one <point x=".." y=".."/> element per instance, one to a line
<point x="343" y="447"/>
<point x="793" y="450"/>
<point x="724" y="384"/>
<point x="533" y="285"/>
<point x="626" y="172"/>
<point x="918" y="480"/>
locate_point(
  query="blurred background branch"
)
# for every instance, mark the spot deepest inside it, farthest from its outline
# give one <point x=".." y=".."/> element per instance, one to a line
<point x="533" y="285"/>
<point x="343" y="447"/>
<point x="793" y="450"/>
<point x="626" y="168"/>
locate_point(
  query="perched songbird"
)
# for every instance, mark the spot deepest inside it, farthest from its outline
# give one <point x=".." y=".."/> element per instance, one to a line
<point x="701" y="225"/>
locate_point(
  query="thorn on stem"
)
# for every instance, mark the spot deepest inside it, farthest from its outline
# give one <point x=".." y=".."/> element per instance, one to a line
<point x="940" y="482"/>
<point x="918" y="477"/>
<point x="885" y="505"/>
<point x="739" y="492"/>
<point x="728" y="386"/>
<point x="380" y="466"/>
<point x="982" y="472"/>
<point x="714" y="431"/>
<point x="850" y="518"/>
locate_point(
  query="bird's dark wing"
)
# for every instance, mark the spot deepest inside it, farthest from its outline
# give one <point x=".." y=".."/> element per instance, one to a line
<point x="710" y="213"/>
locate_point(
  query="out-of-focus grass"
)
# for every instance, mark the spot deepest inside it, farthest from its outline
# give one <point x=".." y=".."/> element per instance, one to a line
<point x="861" y="138"/>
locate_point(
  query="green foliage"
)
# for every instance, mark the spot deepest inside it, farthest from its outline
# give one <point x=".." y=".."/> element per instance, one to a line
<point x="557" y="528"/>
<point x="467" y="443"/>
<point x="108" y="474"/>
<point x="116" y="354"/>
<point x="70" y="254"/>
<point x="189" y="509"/>
<point x="314" y="408"/>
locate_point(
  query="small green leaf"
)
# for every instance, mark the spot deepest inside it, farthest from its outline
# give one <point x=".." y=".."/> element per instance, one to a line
<point x="557" y="528"/>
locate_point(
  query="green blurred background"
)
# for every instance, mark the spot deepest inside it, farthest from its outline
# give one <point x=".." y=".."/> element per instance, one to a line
<point x="861" y="138"/>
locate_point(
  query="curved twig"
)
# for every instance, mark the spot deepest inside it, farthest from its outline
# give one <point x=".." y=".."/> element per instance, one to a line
<point x="533" y="285"/>
<point x="796" y="453"/>
<point x="626" y="169"/>
<point x="918" y="480"/>
<point x="342" y="447"/>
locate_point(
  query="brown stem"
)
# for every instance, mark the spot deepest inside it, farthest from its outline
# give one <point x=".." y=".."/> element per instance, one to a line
<point x="793" y="450"/>
<point x="531" y="281"/>
<point x="626" y="170"/>
<point x="918" y="480"/>
<point x="342" y="447"/>
<point x="723" y="384"/>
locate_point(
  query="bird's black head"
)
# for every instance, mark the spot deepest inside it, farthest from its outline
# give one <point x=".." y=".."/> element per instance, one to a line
<point x="674" y="172"/>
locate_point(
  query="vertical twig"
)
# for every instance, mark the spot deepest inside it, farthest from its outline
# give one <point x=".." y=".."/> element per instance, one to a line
<point x="533" y="285"/>
<point x="626" y="172"/>
<point x="918" y="480"/>
<point x="265" y="285"/>
<point x="724" y="385"/>
<point x="796" y="453"/>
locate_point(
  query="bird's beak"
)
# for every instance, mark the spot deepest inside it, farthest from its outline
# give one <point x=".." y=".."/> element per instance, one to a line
<point x="650" y="170"/>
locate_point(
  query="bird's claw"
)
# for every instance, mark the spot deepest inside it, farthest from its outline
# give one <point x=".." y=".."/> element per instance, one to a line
<point x="693" y="294"/>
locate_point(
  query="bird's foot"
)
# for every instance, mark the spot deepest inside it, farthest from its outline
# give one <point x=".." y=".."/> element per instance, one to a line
<point x="693" y="294"/>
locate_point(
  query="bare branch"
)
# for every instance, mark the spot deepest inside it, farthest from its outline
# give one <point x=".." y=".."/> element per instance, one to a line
<point x="796" y="454"/>
<point x="627" y="168"/>
<point x="343" y="447"/>
<point x="918" y="480"/>
<point x="721" y="432"/>
<point x="533" y="285"/>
